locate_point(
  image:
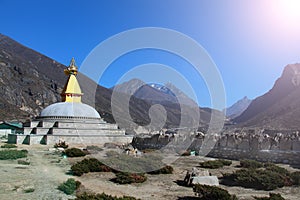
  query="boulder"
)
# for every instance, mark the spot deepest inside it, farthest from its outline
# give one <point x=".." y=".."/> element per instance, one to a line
<point x="206" y="180"/>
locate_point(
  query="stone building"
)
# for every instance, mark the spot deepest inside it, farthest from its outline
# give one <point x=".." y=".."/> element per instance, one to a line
<point x="70" y="121"/>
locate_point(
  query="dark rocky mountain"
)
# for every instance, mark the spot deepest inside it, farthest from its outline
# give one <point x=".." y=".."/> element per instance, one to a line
<point x="279" y="108"/>
<point x="238" y="108"/>
<point x="30" y="81"/>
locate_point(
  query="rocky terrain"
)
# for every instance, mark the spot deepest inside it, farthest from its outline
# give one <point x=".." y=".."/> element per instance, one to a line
<point x="279" y="108"/>
<point x="48" y="169"/>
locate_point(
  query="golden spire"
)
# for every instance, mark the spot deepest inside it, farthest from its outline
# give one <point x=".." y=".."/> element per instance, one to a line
<point x="71" y="91"/>
<point x="72" y="69"/>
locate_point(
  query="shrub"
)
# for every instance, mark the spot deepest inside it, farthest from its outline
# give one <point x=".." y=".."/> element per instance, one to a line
<point x="128" y="178"/>
<point x="250" y="164"/>
<point x="9" y="146"/>
<point x="69" y="186"/>
<point x="29" y="190"/>
<point x="256" y="178"/>
<point x="271" y="197"/>
<point x="74" y="152"/>
<point x="23" y="162"/>
<point x="295" y="176"/>
<point x="165" y="170"/>
<point x="215" y="164"/>
<point x="275" y="168"/>
<point x="103" y="196"/>
<point x="12" y="154"/>
<point x="225" y="162"/>
<point x="206" y="192"/>
<point x="89" y="165"/>
<point x="94" y="148"/>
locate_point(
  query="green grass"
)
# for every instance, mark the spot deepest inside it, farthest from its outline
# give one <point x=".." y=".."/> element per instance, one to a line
<point x="8" y="146"/>
<point x="12" y="154"/>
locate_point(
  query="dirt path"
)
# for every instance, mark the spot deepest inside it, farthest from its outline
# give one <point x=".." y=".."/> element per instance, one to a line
<point x="45" y="172"/>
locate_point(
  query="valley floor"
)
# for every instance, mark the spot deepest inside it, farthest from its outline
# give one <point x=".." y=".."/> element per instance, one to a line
<point x="48" y="169"/>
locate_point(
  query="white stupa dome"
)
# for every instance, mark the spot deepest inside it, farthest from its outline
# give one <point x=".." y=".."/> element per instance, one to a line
<point x="69" y="109"/>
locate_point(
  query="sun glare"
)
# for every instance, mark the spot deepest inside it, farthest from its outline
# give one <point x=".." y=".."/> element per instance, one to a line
<point x="289" y="8"/>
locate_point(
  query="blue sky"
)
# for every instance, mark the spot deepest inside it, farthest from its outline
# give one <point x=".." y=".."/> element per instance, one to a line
<point x="250" y="41"/>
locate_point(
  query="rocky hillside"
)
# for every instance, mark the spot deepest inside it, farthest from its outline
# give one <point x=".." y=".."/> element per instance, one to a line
<point x="279" y="108"/>
<point x="238" y="108"/>
<point x="30" y="81"/>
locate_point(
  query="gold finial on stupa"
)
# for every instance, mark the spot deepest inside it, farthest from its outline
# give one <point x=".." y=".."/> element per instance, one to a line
<point x="71" y="91"/>
<point x="72" y="69"/>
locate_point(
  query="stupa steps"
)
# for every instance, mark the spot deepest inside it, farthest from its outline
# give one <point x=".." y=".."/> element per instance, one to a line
<point x="72" y="131"/>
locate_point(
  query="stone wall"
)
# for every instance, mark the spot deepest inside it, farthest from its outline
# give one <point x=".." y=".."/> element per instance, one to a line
<point x="262" y="145"/>
<point x="70" y="139"/>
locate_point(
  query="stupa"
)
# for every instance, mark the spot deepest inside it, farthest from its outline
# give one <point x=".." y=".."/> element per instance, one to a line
<point x="70" y="121"/>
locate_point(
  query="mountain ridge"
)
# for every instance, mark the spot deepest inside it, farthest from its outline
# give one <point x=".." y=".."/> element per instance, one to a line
<point x="278" y="108"/>
<point x="238" y="107"/>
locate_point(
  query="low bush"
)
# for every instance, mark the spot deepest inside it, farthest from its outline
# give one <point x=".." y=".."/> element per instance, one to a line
<point x="225" y="162"/>
<point x="251" y="164"/>
<point x="69" y="186"/>
<point x="272" y="196"/>
<point x="89" y="165"/>
<point x="74" y="152"/>
<point x="215" y="164"/>
<point x="9" y="146"/>
<point x="23" y="162"/>
<point x="295" y="176"/>
<point x="164" y="170"/>
<point x="275" y="168"/>
<point x="29" y="190"/>
<point x="206" y="192"/>
<point x="94" y="148"/>
<point x="12" y="154"/>
<point x="128" y="178"/>
<point x="103" y="196"/>
<point x="261" y="179"/>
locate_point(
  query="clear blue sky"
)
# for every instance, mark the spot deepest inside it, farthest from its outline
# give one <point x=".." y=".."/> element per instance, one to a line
<point x="250" y="41"/>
